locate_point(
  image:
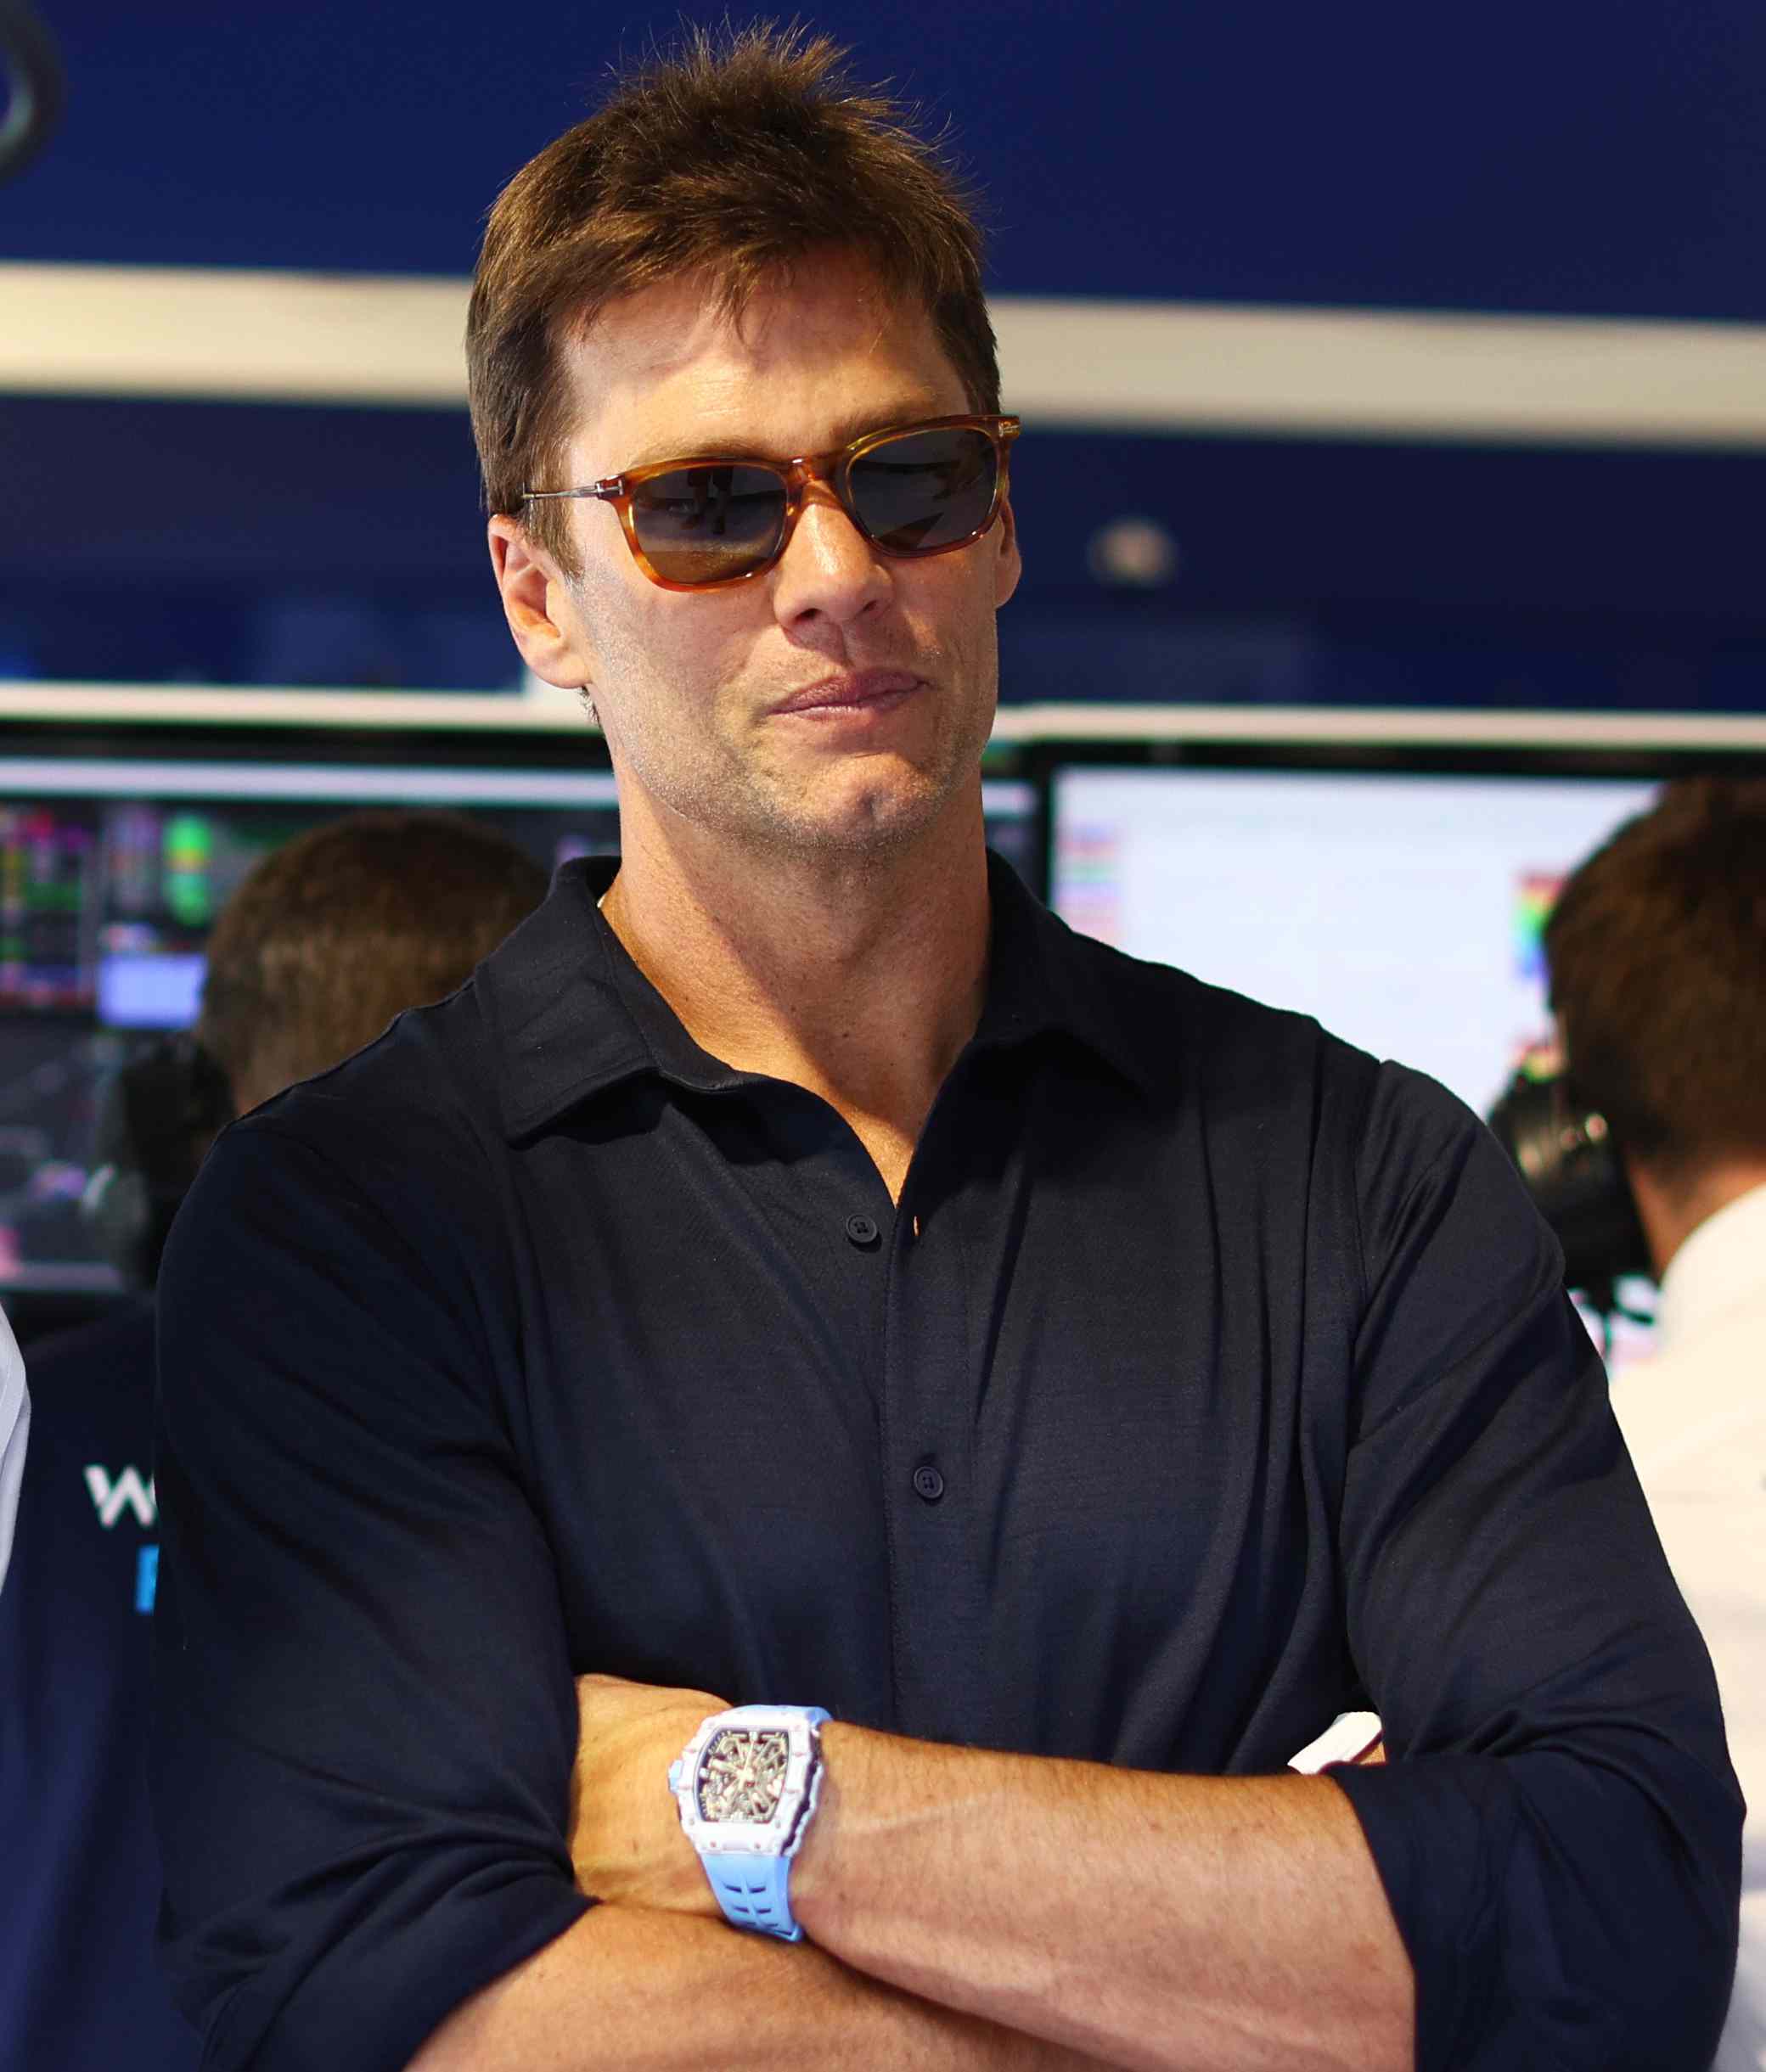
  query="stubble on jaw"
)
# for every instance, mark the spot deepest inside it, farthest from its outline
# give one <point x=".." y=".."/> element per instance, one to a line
<point x="747" y="803"/>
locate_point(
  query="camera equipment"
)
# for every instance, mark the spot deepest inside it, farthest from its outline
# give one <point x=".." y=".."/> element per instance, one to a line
<point x="1574" y="1173"/>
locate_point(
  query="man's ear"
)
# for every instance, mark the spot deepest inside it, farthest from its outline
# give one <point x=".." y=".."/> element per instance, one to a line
<point x="534" y="601"/>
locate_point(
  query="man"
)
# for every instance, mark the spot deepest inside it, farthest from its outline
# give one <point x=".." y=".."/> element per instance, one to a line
<point x="799" y="1273"/>
<point x="325" y="941"/>
<point x="1657" y="953"/>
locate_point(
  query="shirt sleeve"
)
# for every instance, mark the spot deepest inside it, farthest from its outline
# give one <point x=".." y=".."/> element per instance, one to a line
<point x="15" y="1435"/>
<point x="1558" y="1830"/>
<point x="366" y="1718"/>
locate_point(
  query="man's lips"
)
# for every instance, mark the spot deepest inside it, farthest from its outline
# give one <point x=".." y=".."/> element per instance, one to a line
<point x="852" y="692"/>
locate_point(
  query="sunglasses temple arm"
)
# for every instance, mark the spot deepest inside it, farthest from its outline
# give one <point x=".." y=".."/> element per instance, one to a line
<point x="602" y="491"/>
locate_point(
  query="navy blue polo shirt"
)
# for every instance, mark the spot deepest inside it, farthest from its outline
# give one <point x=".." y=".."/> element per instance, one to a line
<point x="81" y="1989"/>
<point x="1209" y="1379"/>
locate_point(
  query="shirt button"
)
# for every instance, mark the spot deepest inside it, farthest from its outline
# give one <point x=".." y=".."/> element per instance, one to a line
<point x="861" y="1229"/>
<point x="928" y="1483"/>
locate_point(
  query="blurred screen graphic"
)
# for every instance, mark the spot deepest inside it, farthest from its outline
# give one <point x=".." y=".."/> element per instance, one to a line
<point x="1403" y="910"/>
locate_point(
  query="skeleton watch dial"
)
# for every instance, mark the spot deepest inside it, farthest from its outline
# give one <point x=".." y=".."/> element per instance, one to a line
<point x="741" y="1773"/>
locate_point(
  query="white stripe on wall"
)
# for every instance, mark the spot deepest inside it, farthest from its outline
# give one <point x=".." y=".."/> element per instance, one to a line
<point x="102" y="706"/>
<point x="76" y="331"/>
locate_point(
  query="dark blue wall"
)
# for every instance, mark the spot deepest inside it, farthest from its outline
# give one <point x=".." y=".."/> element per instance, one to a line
<point x="1601" y="156"/>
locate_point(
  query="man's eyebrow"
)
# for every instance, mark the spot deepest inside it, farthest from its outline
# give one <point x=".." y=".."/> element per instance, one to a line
<point x="735" y="447"/>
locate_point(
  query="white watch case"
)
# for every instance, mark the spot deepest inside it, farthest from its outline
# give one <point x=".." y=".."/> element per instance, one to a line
<point x="755" y="1756"/>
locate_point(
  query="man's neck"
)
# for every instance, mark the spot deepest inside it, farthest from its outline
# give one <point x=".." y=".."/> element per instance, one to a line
<point x="860" y="978"/>
<point x="1670" y="1208"/>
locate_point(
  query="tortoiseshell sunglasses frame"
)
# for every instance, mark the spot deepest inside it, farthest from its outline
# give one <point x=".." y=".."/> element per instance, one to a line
<point x="833" y="470"/>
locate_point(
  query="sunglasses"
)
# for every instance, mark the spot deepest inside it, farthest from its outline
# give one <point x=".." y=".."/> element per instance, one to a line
<point x="920" y="490"/>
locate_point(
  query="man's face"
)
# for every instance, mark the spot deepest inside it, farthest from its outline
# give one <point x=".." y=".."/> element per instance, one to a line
<point x="691" y="687"/>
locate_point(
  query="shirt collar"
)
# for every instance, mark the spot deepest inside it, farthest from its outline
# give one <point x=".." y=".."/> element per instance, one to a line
<point x="571" y="1015"/>
<point x="1721" y="1265"/>
<point x="1042" y="978"/>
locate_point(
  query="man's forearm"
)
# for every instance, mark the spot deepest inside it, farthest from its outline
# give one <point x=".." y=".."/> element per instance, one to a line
<point x="662" y="1992"/>
<point x="1215" y="1925"/>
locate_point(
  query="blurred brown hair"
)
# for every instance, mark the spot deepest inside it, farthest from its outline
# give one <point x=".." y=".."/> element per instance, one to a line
<point x="733" y="158"/>
<point x="337" y="932"/>
<point x="1656" y="950"/>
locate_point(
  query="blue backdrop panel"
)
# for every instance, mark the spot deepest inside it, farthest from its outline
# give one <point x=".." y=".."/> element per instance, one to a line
<point x="1580" y="157"/>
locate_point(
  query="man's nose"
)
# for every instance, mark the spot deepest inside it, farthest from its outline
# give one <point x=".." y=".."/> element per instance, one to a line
<point x="828" y="569"/>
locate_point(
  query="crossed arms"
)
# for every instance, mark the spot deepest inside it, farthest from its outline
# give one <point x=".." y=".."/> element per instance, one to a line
<point x="967" y="1909"/>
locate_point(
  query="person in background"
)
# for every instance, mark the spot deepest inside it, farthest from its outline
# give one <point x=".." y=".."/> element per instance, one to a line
<point x="799" y="1273"/>
<point x="1656" y="950"/>
<point x="326" y="939"/>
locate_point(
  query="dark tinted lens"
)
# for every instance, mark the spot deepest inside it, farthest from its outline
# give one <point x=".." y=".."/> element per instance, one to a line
<point x="924" y="490"/>
<point x="705" y="524"/>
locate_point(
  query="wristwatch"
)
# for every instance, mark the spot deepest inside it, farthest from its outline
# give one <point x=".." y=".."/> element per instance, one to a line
<point x="746" y="1785"/>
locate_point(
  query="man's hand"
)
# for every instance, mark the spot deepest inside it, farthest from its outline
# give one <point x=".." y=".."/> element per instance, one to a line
<point x="625" y="1841"/>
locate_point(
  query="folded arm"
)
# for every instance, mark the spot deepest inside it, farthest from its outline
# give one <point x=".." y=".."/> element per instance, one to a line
<point x="656" y="1978"/>
<point x="1226" y="1922"/>
<point x="1215" y="1925"/>
<point x="1208" y="1923"/>
<point x="664" y="1992"/>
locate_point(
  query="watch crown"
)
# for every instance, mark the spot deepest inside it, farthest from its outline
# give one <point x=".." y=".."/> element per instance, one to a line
<point x="674" y="1774"/>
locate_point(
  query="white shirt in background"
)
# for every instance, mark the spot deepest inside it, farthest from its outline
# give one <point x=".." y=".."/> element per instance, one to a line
<point x="14" y="1429"/>
<point x="1694" y="1417"/>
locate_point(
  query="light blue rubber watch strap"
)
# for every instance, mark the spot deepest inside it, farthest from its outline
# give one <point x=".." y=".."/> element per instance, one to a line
<point x="754" y="1892"/>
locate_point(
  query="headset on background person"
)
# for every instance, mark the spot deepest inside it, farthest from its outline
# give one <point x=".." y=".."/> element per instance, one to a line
<point x="157" y="1117"/>
<point x="1574" y="1172"/>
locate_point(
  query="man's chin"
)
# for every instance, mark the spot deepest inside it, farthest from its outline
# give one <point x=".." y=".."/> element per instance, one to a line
<point x="869" y="818"/>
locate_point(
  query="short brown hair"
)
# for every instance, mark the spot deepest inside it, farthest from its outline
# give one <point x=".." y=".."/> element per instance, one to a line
<point x="734" y="158"/>
<point x="1656" y="950"/>
<point x="337" y="931"/>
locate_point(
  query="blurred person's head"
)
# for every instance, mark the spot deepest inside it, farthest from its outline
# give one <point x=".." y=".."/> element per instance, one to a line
<point x="743" y="256"/>
<point x="325" y="941"/>
<point x="1656" y="950"/>
<point x="333" y="935"/>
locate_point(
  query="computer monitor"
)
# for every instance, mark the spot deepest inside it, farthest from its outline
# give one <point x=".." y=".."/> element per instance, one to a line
<point x="1403" y="910"/>
<point x="119" y="843"/>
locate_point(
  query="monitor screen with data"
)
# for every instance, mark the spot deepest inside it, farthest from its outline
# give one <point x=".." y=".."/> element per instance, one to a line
<point x="1403" y="910"/>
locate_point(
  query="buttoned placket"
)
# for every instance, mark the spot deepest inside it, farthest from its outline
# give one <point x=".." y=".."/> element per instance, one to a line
<point x="926" y="1394"/>
<point x="923" y="1367"/>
